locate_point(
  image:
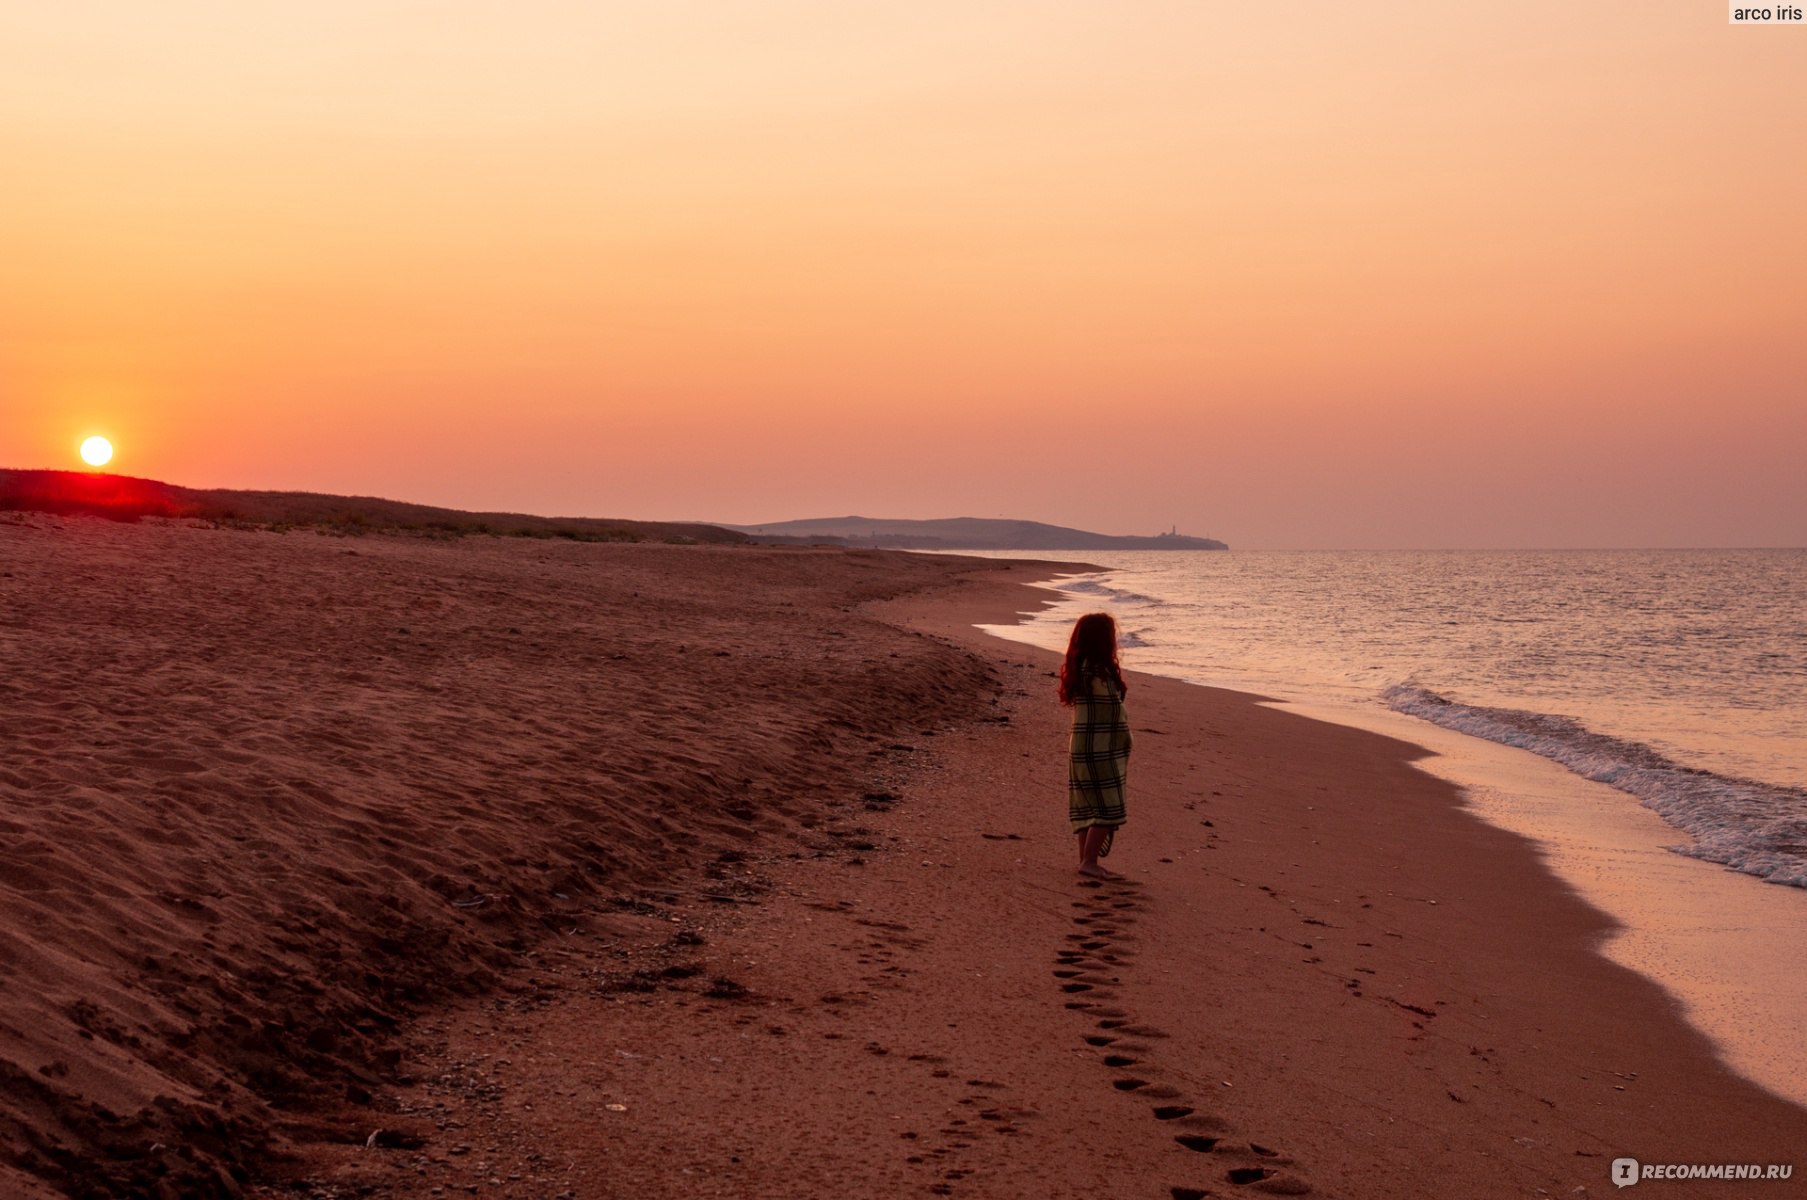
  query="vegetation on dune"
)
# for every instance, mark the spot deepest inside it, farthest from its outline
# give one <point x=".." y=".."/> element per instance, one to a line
<point x="123" y="498"/>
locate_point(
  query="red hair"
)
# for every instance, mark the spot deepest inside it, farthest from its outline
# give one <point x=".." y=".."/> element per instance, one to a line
<point x="1092" y="650"/>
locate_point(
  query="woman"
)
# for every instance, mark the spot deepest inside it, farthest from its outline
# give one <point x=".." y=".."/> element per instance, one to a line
<point x="1091" y="684"/>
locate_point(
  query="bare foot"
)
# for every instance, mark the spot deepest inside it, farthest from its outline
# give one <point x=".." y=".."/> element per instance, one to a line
<point x="1097" y="872"/>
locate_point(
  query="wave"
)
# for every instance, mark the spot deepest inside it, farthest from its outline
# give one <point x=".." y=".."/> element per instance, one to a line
<point x="1752" y="827"/>
<point x="1096" y="587"/>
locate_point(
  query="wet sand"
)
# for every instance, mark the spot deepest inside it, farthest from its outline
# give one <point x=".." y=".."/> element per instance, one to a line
<point x="1725" y="944"/>
<point x="814" y="931"/>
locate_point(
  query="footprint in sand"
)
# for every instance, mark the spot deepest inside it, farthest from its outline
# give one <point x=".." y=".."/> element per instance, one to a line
<point x="1266" y="1179"/>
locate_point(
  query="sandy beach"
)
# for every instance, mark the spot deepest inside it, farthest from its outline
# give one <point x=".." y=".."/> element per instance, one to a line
<point x="502" y="866"/>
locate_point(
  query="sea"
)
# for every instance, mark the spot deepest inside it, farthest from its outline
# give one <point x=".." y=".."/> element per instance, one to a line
<point x="1678" y="677"/>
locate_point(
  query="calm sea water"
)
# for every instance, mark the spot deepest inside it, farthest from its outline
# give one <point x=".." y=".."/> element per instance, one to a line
<point x="1679" y="677"/>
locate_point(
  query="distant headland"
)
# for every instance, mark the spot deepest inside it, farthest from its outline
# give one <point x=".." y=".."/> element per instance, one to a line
<point x="963" y="533"/>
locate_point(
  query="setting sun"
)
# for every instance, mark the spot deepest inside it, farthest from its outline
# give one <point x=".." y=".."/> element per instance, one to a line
<point x="97" y="451"/>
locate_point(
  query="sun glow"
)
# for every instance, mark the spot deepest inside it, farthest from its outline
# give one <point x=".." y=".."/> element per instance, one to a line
<point x="97" y="452"/>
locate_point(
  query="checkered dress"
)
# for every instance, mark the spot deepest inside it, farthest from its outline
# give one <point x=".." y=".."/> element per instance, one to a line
<point x="1100" y="755"/>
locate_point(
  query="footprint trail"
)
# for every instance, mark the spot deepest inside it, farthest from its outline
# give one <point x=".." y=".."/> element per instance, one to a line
<point x="1214" y="1158"/>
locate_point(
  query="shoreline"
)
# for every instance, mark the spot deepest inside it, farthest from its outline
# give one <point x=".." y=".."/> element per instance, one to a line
<point x="1720" y="941"/>
<point x="1562" y="871"/>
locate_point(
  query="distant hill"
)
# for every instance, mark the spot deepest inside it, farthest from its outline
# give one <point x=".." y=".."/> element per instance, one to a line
<point x="962" y="533"/>
<point x="124" y="498"/>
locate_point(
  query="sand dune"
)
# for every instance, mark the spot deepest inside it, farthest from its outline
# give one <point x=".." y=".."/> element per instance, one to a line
<point x="263" y="796"/>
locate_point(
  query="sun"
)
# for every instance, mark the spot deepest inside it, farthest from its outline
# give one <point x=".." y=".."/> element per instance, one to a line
<point x="97" y="452"/>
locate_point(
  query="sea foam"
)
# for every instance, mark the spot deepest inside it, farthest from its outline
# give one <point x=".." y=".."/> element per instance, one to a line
<point x="1752" y="827"/>
<point x="1095" y="587"/>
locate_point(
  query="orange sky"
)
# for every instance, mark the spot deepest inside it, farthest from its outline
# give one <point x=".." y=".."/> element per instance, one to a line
<point x="1304" y="274"/>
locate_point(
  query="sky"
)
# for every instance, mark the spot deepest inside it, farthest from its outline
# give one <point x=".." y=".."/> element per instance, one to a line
<point x="1305" y="275"/>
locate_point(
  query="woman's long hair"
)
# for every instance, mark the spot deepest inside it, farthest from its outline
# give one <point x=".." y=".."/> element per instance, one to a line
<point x="1092" y="650"/>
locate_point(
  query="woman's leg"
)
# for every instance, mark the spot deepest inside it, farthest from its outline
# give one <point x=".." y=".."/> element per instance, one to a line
<point x="1091" y="840"/>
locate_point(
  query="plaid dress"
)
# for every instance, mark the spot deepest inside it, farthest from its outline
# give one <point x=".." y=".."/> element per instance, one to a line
<point x="1100" y="756"/>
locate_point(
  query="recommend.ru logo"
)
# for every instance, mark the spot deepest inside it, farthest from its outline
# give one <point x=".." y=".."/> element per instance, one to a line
<point x="1627" y="1171"/>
